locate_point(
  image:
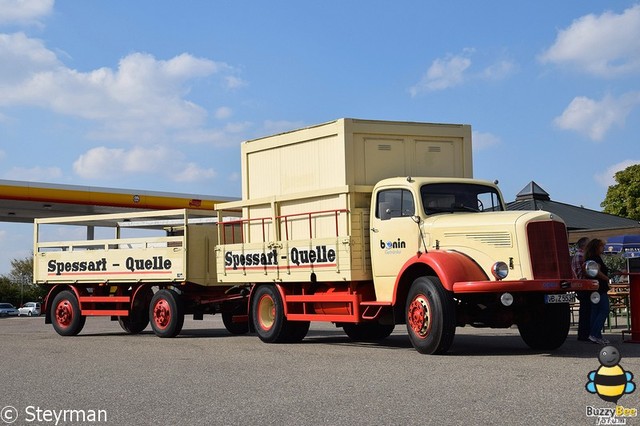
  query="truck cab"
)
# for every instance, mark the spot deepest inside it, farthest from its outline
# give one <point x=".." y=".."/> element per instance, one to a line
<point x="495" y="268"/>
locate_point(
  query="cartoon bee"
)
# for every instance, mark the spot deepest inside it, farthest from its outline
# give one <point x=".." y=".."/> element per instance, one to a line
<point x="610" y="381"/>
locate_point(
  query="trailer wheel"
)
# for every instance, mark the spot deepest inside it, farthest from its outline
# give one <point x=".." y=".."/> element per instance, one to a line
<point x="166" y="313"/>
<point x="430" y="315"/>
<point x="234" y="327"/>
<point x="368" y="331"/>
<point x="138" y="318"/>
<point x="136" y="322"/>
<point x="65" y="314"/>
<point x="546" y="327"/>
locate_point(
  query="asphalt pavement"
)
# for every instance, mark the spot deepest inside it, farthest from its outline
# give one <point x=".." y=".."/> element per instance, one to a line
<point x="207" y="376"/>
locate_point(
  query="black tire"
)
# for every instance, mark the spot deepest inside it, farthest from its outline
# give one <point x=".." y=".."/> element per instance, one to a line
<point x="166" y="313"/>
<point x="368" y="331"/>
<point x="65" y="314"/>
<point x="28" y="314"/>
<point x="267" y="314"/>
<point x="138" y="318"/>
<point x="430" y="316"/>
<point x="134" y="324"/>
<point x="297" y="331"/>
<point x="546" y="326"/>
<point x="267" y="311"/>
<point x="234" y="327"/>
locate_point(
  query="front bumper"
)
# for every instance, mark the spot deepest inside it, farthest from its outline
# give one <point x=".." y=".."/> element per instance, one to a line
<point x="542" y="286"/>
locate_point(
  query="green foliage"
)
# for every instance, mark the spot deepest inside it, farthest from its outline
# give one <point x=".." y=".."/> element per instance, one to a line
<point x="623" y="199"/>
<point x="615" y="263"/>
<point x="17" y="286"/>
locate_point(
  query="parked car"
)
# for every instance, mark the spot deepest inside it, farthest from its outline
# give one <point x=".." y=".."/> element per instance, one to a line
<point x="8" y="310"/>
<point x="29" y="309"/>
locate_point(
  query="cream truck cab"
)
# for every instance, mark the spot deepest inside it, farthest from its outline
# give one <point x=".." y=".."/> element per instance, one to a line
<point x="365" y="224"/>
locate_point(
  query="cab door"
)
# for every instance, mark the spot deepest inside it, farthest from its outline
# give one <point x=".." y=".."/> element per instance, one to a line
<point x="394" y="236"/>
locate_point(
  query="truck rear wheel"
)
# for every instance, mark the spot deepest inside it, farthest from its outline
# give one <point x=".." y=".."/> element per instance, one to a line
<point x="546" y="327"/>
<point x="65" y="314"/>
<point x="166" y="313"/>
<point x="267" y="309"/>
<point x="234" y="327"/>
<point x="430" y="315"/>
<point x="368" y="331"/>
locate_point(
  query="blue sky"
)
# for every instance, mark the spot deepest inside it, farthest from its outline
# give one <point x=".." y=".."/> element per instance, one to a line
<point x="157" y="95"/>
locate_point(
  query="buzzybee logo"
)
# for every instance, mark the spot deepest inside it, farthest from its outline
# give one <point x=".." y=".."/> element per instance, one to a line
<point x="610" y="382"/>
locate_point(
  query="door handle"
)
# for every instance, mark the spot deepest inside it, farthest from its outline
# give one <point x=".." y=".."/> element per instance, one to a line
<point x="374" y="229"/>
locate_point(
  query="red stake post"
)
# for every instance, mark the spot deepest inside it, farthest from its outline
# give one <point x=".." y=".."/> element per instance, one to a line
<point x="634" y="306"/>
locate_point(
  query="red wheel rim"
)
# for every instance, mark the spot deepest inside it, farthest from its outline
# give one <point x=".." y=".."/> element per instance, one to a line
<point x="419" y="316"/>
<point x="64" y="313"/>
<point x="162" y="314"/>
<point x="266" y="312"/>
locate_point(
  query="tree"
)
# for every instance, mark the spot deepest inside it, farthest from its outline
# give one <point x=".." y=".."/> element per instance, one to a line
<point x="17" y="287"/>
<point x="623" y="199"/>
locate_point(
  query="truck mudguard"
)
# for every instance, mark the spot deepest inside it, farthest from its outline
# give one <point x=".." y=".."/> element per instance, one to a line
<point x="449" y="266"/>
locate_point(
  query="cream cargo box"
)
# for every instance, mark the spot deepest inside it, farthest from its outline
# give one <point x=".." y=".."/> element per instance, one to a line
<point x="306" y="195"/>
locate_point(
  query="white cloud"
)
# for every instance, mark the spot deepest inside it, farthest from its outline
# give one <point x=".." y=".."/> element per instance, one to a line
<point x="33" y="174"/>
<point x="455" y="70"/>
<point x="193" y="173"/>
<point x="442" y="74"/>
<point x="24" y="11"/>
<point x="607" y="178"/>
<point x="594" y="118"/>
<point x="143" y="100"/>
<point x="607" y="45"/>
<point x="499" y="70"/>
<point x="484" y="140"/>
<point x="101" y="162"/>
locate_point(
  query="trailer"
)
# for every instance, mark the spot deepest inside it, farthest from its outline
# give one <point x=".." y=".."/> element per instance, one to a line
<point x="364" y="224"/>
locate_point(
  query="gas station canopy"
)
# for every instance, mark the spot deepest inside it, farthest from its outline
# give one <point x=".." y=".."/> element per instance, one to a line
<point x="21" y="202"/>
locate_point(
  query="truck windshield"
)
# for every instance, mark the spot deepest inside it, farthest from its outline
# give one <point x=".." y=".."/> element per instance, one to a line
<point x="459" y="197"/>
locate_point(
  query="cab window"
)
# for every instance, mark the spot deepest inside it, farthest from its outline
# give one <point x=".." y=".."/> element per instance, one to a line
<point x="394" y="203"/>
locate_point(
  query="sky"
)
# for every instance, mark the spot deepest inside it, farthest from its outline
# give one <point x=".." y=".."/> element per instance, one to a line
<point x="157" y="95"/>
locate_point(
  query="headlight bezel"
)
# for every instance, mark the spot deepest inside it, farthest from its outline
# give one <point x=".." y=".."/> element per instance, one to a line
<point x="500" y="270"/>
<point x="591" y="268"/>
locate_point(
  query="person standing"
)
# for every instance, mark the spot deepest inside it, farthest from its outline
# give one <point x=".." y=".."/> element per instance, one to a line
<point x="599" y="311"/>
<point x="584" y="313"/>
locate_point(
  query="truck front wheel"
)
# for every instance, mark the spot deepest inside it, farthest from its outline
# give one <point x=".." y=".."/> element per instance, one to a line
<point x="166" y="313"/>
<point x="65" y="314"/>
<point x="545" y="327"/>
<point x="430" y="315"/>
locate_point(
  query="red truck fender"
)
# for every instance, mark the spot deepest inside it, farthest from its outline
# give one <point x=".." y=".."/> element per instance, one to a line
<point x="449" y="266"/>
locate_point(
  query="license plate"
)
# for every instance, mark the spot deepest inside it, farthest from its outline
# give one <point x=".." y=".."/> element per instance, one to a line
<point x="560" y="298"/>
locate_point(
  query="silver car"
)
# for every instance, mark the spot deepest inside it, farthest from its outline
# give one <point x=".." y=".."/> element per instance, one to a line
<point x="30" y="309"/>
<point x="8" y="310"/>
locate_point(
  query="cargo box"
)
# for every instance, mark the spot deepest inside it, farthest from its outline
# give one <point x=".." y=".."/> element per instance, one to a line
<point x="310" y="189"/>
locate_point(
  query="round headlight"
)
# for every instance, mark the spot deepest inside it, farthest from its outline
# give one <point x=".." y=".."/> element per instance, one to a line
<point x="591" y="268"/>
<point x="595" y="297"/>
<point x="500" y="270"/>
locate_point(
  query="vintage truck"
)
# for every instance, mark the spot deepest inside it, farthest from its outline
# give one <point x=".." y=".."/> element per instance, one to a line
<point x="364" y="224"/>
